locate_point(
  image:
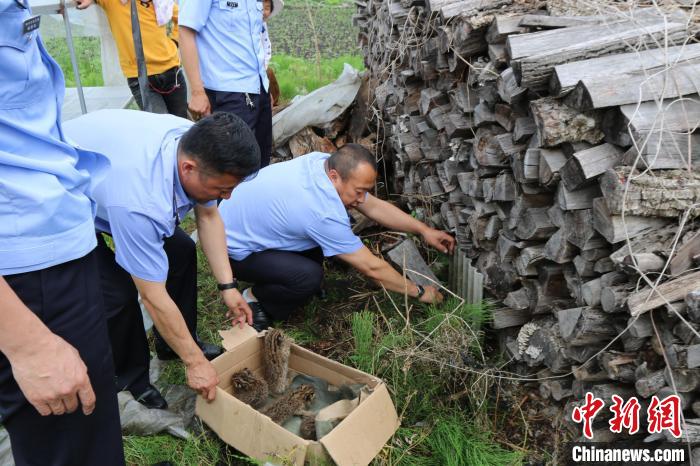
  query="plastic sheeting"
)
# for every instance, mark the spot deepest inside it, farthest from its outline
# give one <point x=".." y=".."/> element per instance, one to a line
<point x="5" y="449"/>
<point x="317" y="108"/>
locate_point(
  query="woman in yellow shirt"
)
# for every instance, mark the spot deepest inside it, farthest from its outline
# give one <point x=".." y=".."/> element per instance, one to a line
<point x="167" y="91"/>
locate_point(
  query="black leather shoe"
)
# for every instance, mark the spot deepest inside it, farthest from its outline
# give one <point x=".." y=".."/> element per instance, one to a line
<point x="211" y="351"/>
<point x="322" y="294"/>
<point x="151" y="398"/>
<point x="261" y="320"/>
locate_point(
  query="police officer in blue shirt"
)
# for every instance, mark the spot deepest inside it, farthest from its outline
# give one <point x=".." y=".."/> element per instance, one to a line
<point x="170" y="168"/>
<point x="57" y="397"/>
<point x="224" y="61"/>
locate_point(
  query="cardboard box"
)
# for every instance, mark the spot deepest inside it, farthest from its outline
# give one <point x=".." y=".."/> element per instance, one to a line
<point x="355" y="441"/>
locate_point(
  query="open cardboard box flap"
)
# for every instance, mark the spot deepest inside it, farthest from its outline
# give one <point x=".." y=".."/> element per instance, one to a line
<point x="355" y="441"/>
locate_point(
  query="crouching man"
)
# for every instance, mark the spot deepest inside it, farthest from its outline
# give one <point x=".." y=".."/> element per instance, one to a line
<point x="162" y="167"/>
<point x="280" y="225"/>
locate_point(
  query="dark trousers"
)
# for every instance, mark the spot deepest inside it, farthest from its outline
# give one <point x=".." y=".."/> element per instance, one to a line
<point x="257" y="115"/>
<point x="167" y="92"/>
<point x="124" y="319"/>
<point x="283" y="280"/>
<point x="67" y="299"/>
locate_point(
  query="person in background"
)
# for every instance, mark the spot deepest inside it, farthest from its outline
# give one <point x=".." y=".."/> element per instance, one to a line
<point x="281" y="224"/>
<point x="57" y="397"/>
<point x="224" y="60"/>
<point x="270" y="9"/>
<point x="167" y="90"/>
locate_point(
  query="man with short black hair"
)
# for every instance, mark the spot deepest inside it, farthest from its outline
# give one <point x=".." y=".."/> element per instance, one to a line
<point x="155" y="179"/>
<point x="280" y="225"/>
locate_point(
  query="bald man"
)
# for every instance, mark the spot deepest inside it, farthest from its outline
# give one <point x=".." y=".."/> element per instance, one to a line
<point x="281" y="224"/>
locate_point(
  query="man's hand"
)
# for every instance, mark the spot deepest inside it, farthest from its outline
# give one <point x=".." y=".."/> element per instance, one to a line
<point x="440" y="240"/>
<point x="53" y="378"/>
<point x="431" y="295"/>
<point x="238" y="310"/>
<point x="82" y="4"/>
<point x="202" y="378"/>
<point x="199" y="104"/>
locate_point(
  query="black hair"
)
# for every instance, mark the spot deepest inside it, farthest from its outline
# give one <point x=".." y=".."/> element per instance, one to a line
<point x="272" y="6"/>
<point x="224" y="145"/>
<point x="348" y="158"/>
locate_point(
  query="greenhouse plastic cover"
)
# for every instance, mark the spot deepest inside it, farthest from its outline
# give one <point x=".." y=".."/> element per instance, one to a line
<point x="317" y="108"/>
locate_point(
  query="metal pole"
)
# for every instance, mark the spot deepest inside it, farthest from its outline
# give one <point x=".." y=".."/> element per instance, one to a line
<point x="73" y="57"/>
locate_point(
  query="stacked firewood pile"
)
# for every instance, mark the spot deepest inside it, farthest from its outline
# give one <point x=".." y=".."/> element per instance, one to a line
<point x="560" y="150"/>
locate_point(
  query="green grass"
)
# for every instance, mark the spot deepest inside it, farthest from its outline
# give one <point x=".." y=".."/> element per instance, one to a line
<point x="202" y="450"/>
<point x="299" y="76"/>
<point x="87" y="49"/>
<point x="362" y="332"/>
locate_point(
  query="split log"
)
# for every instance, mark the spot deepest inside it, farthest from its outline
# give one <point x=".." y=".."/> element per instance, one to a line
<point x="619" y="366"/>
<point x="556" y="123"/>
<point x="507" y="317"/>
<point x="558" y="249"/>
<point x="585" y="326"/>
<point x="613" y="298"/>
<point x="503" y="26"/>
<point x="577" y="199"/>
<point x="650" y="384"/>
<point x="684" y="380"/>
<point x="568" y="75"/>
<point x="535" y="225"/>
<point x="615" y="229"/>
<point x="661" y="194"/>
<point x="535" y="55"/>
<point x="550" y="162"/>
<point x="672" y="290"/>
<point x="581" y="230"/>
<point x="586" y="165"/>
<point x="551" y="22"/>
<point x="639" y="86"/>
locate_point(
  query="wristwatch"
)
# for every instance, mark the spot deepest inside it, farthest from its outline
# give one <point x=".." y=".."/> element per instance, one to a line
<point x="227" y="286"/>
<point x="421" y="291"/>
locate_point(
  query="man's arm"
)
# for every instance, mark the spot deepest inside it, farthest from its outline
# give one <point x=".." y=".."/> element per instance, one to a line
<point x="48" y="370"/>
<point x="212" y="236"/>
<point x="393" y="218"/>
<point x="199" y="102"/>
<point x="167" y="318"/>
<point x="382" y="272"/>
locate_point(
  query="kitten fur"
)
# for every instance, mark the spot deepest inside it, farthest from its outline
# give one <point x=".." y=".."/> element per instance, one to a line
<point x="249" y="388"/>
<point x="294" y="402"/>
<point x="277" y="347"/>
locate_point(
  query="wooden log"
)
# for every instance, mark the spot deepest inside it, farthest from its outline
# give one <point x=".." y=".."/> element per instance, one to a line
<point x="692" y="300"/>
<point x="535" y="55"/>
<point x="527" y="259"/>
<point x="487" y="149"/>
<point x="662" y="194"/>
<point x="524" y="128"/>
<point x="550" y="162"/>
<point x="535" y="225"/>
<point x="463" y="98"/>
<point x="503" y="26"/>
<point x="615" y="229"/>
<point x="649" y="384"/>
<point x="558" y="249"/>
<point x="573" y="283"/>
<point x="567" y="75"/>
<point x="518" y="299"/>
<point x="613" y="298"/>
<point x="586" y="165"/>
<point x="469" y="7"/>
<point x="556" y="123"/>
<point x="524" y="202"/>
<point x="577" y="199"/>
<point x="507" y="318"/>
<point x="684" y="380"/>
<point x="619" y="366"/>
<point x="508" y="89"/>
<point x="581" y="230"/>
<point x="685" y="398"/>
<point x="552" y="22"/>
<point x="672" y="290"/>
<point x="585" y="326"/>
<point x="505" y="188"/>
<point x="683" y="259"/>
<point x="639" y="86"/>
<point x="584" y="269"/>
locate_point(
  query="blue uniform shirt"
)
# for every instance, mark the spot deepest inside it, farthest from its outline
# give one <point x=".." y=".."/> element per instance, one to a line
<point x="46" y="214"/>
<point x="289" y="206"/>
<point x="231" y="55"/>
<point x="141" y="199"/>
